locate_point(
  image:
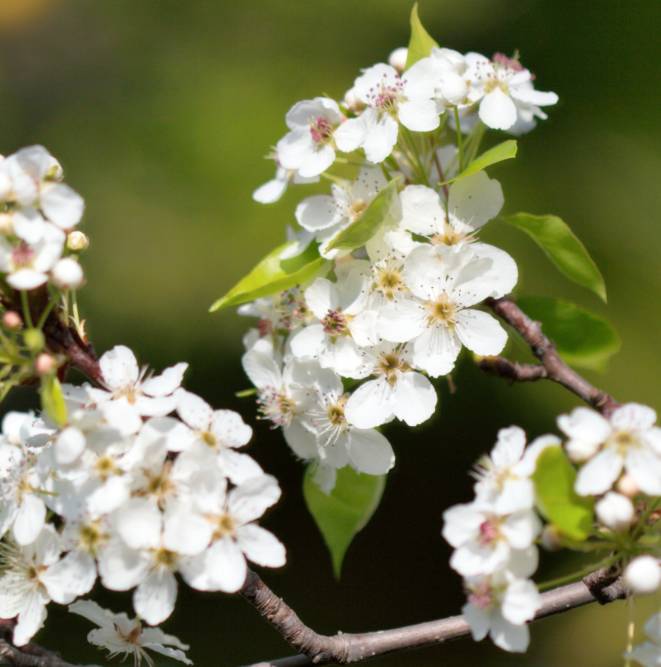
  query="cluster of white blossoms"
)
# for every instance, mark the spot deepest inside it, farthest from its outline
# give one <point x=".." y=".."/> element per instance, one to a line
<point x="356" y="346"/>
<point x="143" y="482"/>
<point x="38" y="214"/>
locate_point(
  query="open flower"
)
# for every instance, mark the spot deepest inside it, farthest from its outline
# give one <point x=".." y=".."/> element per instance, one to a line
<point x="121" y="635"/>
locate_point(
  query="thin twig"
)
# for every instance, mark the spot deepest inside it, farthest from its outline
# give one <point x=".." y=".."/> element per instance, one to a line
<point x="344" y="648"/>
<point x="512" y="370"/>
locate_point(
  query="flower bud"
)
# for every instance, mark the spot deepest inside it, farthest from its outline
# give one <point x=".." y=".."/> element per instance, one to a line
<point x="627" y="486"/>
<point x="6" y="224"/>
<point x="45" y="364"/>
<point x="77" y="241"/>
<point x="34" y="340"/>
<point x="12" y="320"/>
<point x="550" y="538"/>
<point x="615" y="511"/>
<point x="68" y="274"/>
<point x="643" y="575"/>
<point x="398" y="57"/>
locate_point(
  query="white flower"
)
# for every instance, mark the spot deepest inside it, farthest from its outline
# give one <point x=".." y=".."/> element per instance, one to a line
<point x="308" y="148"/>
<point x="615" y="511"/>
<point x="216" y="436"/>
<point x="67" y="274"/>
<point x="485" y="541"/>
<point x="648" y="653"/>
<point x="500" y="605"/>
<point x="129" y="396"/>
<point x="446" y="282"/>
<point x="643" y="575"/>
<point x="397" y="391"/>
<point x="27" y="263"/>
<point x="121" y="635"/>
<point x="34" y="575"/>
<point x="334" y="341"/>
<point x="398" y="57"/>
<point x="447" y="69"/>
<point x="505" y="92"/>
<point x="271" y="191"/>
<point x="390" y="100"/>
<point x="326" y="215"/>
<point x="234" y="534"/>
<point x="628" y="440"/>
<point x="504" y="476"/>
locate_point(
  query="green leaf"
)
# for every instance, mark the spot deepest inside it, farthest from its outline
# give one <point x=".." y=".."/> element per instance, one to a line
<point x="375" y="215"/>
<point x="344" y="512"/>
<point x="554" y="479"/>
<point x="505" y="151"/>
<point x="421" y="42"/>
<point x="274" y="274"/>
<point x="562" y="247"/>
<point x="52" y="399"/>
<point x="582" y="338"/>
<point x="245" y="393"/>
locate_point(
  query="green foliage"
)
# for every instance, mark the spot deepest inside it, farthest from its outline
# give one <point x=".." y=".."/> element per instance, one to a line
<point x="562" y="247"/>
<point x="274" y="274"/>
<point x="52" y="399"/>
<point x="504" y="151"/>
<point x="344" y="512"/>
<point x="554" y="479"/>
<point x="375" y="215"/>
<point x="421" y="42"/>
<point x="583" y="339"/>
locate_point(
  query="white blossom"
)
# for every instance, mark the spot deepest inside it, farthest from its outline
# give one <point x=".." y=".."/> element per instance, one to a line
<point x="643" y="575"/>
<point x="615" y="511"/>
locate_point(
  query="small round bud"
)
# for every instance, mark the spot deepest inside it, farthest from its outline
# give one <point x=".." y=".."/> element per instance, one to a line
<point x="550" y="538"/>
<point x="77" y="241"/>
<point x="615" y="511"/>
<point x="12" y="320"/>
<point x="627" y="486"/>
<point x="34" y="340"/>
<point x="6" y="224"/>
<point x="68" y="274"/>
<point x="45" y="364"/>
<point x="398" y="57"/>
<point x="643" y="575"/>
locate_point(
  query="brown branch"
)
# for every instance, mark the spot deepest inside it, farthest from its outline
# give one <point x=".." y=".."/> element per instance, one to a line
<point x="30" y="655"/>
<point x="553" y="366"/>
<point x="343" y="648"/>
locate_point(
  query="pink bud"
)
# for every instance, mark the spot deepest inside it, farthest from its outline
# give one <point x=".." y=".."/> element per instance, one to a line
<point x="12" y="320"/>
<point x="627" y="486"/>
<point x="45" y="364"/>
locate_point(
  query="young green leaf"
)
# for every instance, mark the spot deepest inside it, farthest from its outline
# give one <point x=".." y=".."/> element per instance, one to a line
<point x="421" y="42"/>
<point x="505" y="151"/>
<point x="583" y="339"/>
<point x="52" y="399"/>
<point x="274" y="274"/>
<point x="376" y="214"/>
<point x="344" y="512"/>
<point x="554" y="479"/>
<point x="562" y="247"/>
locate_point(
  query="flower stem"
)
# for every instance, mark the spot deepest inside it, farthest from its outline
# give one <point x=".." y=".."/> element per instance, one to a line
<point x="25" y="302"/>
<point x="574" y="576"/>
<point x="460" y="139"/>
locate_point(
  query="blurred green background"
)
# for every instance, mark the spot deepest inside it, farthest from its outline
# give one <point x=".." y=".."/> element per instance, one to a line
<point x="161" y="112"/>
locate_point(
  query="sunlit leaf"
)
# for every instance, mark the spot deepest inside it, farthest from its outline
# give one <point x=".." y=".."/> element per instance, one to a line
<point x="582" y="338"/>
<point x="554" y="479"/>
<point x="375" y="215"/>
<point x="421" y="42"/>
<point x="52" y="399"/>
<point x="341" y="514"/>
<point x="275" y="273"/>
<point x="505" y="151"/>
<point x="562" y="247"/>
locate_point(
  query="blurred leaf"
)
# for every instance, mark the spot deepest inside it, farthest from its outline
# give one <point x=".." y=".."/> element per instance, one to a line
<point x="562" y="247"/>
<point x="245" y="393"/>
<point x="505" y="151"/>
<point x="376" y="214"/>
<point x="421" y="42"/>
<point x="274" y="274"/>
<point x="554" y="479"/>
<point x="345" y="511"/>
<point x="582" y="338"/>
<point x="52" y="399"/>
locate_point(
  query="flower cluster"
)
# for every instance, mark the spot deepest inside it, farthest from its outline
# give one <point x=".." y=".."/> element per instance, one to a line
<point x="142" y="482"/>
<point x="37" y="218"/>
<point x="338" y="356"/>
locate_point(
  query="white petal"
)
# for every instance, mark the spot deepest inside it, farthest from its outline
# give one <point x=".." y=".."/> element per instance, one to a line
<point x="30" y="619"/>
<point x="165" y="383"/>
<point x="155" y="597"/>
<point x="321" y="297"/>
<point x="271" y="191"/>
<point x="119" y="367"/>
<point x="260" y="546"/>
<point x="521" y="601"/>
<point x="350" y="135"/>
<point x="139" y="523"/>
<point x="251" y="499"/>
<point x="370" y="452"/>
<point x="476" y="199"/>
<point x="480" y="332"/>
<point x="478" y="619"/>
<point x="521" y="528"/>
<point x="461" y="523"/>
<point x="598" y="474"/>
<point x="228" y="565"/>
<point x="70" y="577"/>
<point x="380" y="137"/>
<point x="510" y="446"/>
<point x="62" y="205"/>
<point x="419" y="115"/>
<point x="510" y="637"/>
<point x="414" y="399"/>
<point x="69" y="445"/>
<point x="421" y="210"/>
<point x="121" y="568"/>
<point x="633" y="416"/>
<point x="436" y="350"/>
<point x="308" y="342"/>
<point x="238" y="467"/>
<point x="644" y="466"/>
<point x="26" y="279"/>
<point x="230" y="429"/>
<point x="195" y="411"/>
<point x="185" y="532"/>
<point x="29" y="520"/>
<point x="370" y="404"/>
<point x="497" y="110"/>
<point x="260" y="365"/>
<point x="317" y="212"/>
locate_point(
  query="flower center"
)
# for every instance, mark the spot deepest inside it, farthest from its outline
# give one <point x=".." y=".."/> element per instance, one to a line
<point x="389" y="282"/>
<point x="165" y="558"/>
<point x="321" y="130"/>
<point x="442" y="311"/>
<point x="105" y="467"/>
<point x="275" y="406"/>
<point x="22" y="255"/>
<point x="501" y="60"/>
<point x="391" y="365"/>
<point x="335" y="323"/>
<point x="356" y="209"/>
<point x="623" y="441"/>
<point x="489" y="532"/>
<point x="208" y="438"/>
<point x="335" y="413"/>
<point x="91" y="537"/>
<point x="224" y="526"/>
<point x="481" y="596"/>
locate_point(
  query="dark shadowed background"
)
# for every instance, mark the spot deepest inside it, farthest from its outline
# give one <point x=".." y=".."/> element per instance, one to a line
<point x="161" y="112"/>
